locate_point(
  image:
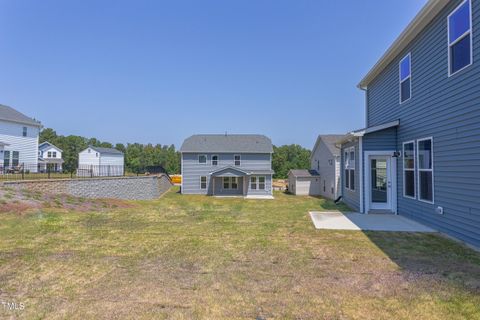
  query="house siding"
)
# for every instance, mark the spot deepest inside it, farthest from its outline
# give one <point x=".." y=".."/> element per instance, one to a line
<point x="192" y="170"/>
<point x="447" y="109"/>
<point x="329" y="173"/>
<point x="12" y="134"/>
<point x="351" y="197"/>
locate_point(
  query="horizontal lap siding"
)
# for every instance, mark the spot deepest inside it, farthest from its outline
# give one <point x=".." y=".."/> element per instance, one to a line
<point x="12" y="134"/>
<point x="192" y="170"/>
<point x="446" y="108"/>
<point x="351" y="198"/>
<point x="326" y="167"/>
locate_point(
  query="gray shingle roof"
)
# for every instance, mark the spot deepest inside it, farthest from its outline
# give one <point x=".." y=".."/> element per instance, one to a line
<point x="106" y="150"/>
<point x="330" y="140"/>
<point x="231" y="143"/>
<point x="304" y="173"/>
<point x="9" y="114"/>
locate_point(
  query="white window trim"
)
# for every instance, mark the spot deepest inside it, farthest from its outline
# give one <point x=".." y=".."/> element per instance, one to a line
<point x="253" y="183"/>
<point x="206" y="159"/>
<point x="229" y="183"/>
<point x="215" y="155"/>
<point x="425" y="170"/>
<point x="407" y="169"/>
<point x="400" y="81"/>
<point x="239" y="159"/>
<point x="264" y="182"/>
<point x="467" y="33"/>
<point x="350" y="167"/>
<point x="206" y="183"/>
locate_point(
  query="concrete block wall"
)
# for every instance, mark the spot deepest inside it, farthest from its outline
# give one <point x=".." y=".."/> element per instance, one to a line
<point x="126" y="188"/>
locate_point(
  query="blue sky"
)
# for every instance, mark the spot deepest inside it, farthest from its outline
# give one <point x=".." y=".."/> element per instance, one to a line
<point x="158" y="71"/>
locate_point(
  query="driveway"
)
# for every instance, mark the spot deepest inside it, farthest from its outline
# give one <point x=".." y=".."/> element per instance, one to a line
<point x="335" y="220"/>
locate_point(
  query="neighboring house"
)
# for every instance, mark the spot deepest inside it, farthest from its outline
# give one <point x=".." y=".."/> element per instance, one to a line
<point x="49" y="157"/>
<point x="18" y="141"/>
<point x="304" y="182"/>
<point x="325" y="159"/>
<point x="227" y="165"/>
<point x="419" y="155"/>
<point x="100" y="162"/>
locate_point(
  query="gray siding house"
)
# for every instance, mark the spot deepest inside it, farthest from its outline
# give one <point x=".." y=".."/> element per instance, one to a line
<point x="419" y="153"/>
<point x="227" y="165"/>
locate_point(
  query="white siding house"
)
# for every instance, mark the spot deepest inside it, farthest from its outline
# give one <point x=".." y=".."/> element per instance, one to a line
<point x="100" y="162"/>
<point x="49" y="157"/>
<point x="325" y="159"/>
<point x="18" y="141"/>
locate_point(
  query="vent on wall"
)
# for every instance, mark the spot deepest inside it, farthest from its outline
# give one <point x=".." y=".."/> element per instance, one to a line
<point x="439" y="210"/>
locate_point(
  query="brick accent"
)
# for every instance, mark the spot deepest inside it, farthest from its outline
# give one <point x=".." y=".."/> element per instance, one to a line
<point x="127" y="188"/>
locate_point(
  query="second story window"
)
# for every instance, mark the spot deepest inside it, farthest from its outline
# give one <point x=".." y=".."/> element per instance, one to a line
<point x="214" y="160"/>
<point x="49" y="154"/>
<point x="237" y="159"/>
<point x="202" y="159"/>
<point x="405" y="70"/>
<point x="460" y="38"/>
<point x="25" y="131"/>
<point x="54" y="154"/>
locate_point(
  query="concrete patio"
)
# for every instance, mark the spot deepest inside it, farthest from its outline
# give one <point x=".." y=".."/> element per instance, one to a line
<point x="335" y="220"/>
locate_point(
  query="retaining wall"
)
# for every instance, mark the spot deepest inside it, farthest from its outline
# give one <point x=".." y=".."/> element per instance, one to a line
<point x="127" y="188"/>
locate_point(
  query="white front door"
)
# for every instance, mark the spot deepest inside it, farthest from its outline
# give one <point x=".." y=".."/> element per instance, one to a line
<point x="380" y="187"/>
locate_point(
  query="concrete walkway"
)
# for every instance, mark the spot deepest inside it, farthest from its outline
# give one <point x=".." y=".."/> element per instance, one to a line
<point x="335" y="220"/>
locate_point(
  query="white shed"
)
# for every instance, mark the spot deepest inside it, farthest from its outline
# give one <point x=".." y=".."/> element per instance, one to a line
<point x="304" y="182"/>
<point x="100" y="162"/>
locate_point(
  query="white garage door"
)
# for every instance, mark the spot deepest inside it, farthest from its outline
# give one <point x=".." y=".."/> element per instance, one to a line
<point x="308" y="186"/>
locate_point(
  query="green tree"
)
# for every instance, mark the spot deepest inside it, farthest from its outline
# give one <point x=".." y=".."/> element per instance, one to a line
<point x="289" y="157"/>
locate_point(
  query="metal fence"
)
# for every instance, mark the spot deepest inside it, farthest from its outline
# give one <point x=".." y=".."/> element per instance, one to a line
<point x="25" y="171"/>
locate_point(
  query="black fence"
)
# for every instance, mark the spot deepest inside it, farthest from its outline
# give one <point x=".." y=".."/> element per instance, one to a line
<point x="55" y="171"/>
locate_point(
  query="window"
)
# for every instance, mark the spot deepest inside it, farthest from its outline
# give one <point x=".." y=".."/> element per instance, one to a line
<point x="214" y="160"/>
<point x="349" y="162"/>
<point x="234" y="182"/>
<point x="425" y="169"/>
<point x="237" y="160"/>
<point x="6" y="159"/>
<point x="460" y="38"/>
<point x="54" y="154"/>
<point x="15" y="158"/>
<point x="203" y="182"/>
<point x="405" y="71"/>
<point x="253" y="183"/>
<point x="318" y="165"/>
<point x="25" y="131"/>
<point x="96" y="154"/>
<point x="202" y="159"/>
<point x="409" y="169"/>
<point x="261" y="183"/>
<point x="49" y="154"/>
<point x="226" y="182"/>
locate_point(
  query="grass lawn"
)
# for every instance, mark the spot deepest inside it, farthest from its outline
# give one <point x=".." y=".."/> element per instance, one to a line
<point x="189" y="257"/>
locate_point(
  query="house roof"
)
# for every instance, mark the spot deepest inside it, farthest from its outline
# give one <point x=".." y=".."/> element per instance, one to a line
<point x="106" y="150"/>
<point x="297" y="173"/>
<point x="421" y="20"/>
<point x="361" y="132"/>
<point x="231" y="143"/>
<point x="330" y="141"/>
<point x="46" y="143"/>
<point x="241" y="170"/>
<point x="9" y="114"/>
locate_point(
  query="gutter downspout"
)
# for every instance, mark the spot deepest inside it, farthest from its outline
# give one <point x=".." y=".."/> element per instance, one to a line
<point x="360" y="143"/>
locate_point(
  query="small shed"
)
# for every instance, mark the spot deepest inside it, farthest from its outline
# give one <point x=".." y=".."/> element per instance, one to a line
<point x="304" y="182"/>
<point x="100" y="162"/>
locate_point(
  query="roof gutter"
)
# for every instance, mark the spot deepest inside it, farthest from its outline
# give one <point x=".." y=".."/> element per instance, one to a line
<point x="421" y="20"/>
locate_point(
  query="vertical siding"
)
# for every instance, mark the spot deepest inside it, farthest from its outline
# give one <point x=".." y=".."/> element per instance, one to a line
<point x="351" y="198"/>
<point x="447" y="109"/>
<point x="192" y="170"/>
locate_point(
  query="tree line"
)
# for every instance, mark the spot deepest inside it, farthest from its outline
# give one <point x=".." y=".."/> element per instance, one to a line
<point x="139" y="156"/>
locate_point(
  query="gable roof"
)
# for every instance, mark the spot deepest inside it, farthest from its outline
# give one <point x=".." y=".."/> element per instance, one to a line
<point x="330" y="141"/>
<point x="421" y="20"/>
<point x="105" y="150"/>
<point x="46" y="143"/>
<point x="230" y="143"/>
<point x="9" y="114"/>
<point x="300" y="173"/>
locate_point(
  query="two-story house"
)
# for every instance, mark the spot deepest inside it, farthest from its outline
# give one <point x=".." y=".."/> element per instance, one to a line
<point x="18" y="141"/>
<point x="49" y="157"/>
<point x="419" y="153"/>
<point x="227" y="165"/>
